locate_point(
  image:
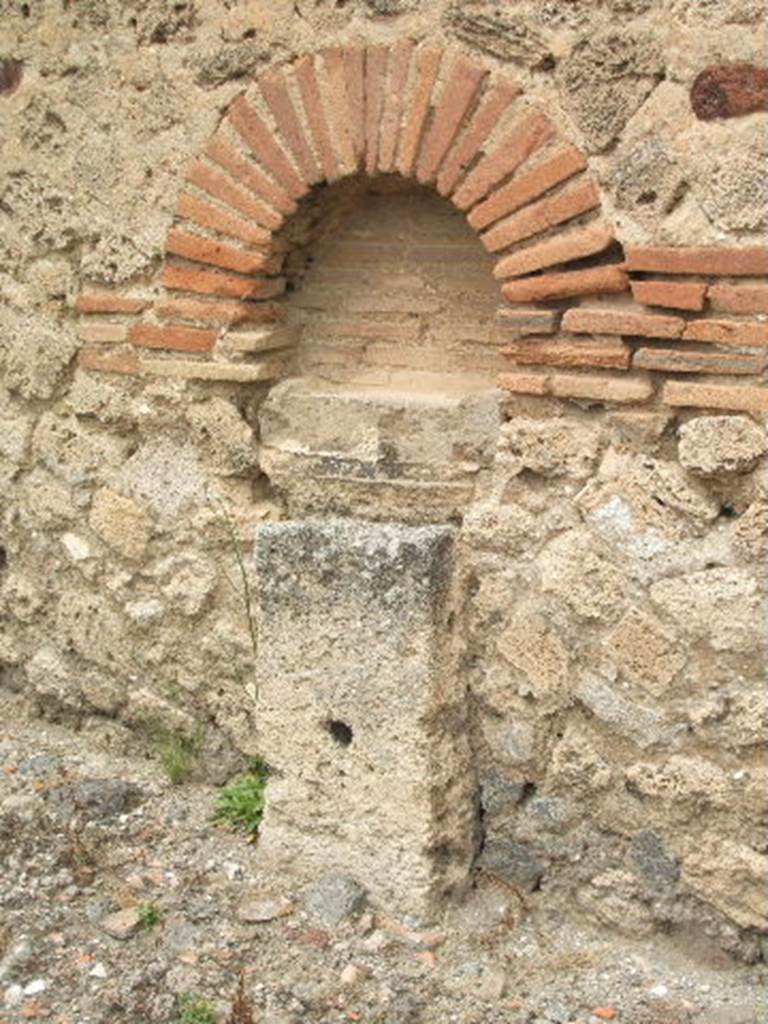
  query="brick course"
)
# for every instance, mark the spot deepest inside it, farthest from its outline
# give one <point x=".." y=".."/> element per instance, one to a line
<point x="546" y="213"/>
<point x="672" y="294"/>
<point x="593" y="281"/>
<point x="560" y="249"/>
<point x="458" y="95"/>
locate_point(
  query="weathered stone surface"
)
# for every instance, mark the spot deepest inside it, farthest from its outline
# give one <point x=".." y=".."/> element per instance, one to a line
<point x="535" y="651"/>
<point x="690" y="780"/>
<point x="93" y="798"/>
<point x="645" y="726"/>
<point x="719" y="606"/>
<point x="573" y="567"/>
<point x="38" y="352"/>
<point x="551" y="447"/>
<point x="729" y="90"/>
<point x="515" y="862"/>
<point x="646" y="651"/>
<point x="721" y="444"/>
<point x="730" y="876"/>
<point x="120" y="522"/>
<point x="648" y="855"/>
<point x="331" y="698"/>
<point x="122" y="924"/>
<point x="334" y="898"/>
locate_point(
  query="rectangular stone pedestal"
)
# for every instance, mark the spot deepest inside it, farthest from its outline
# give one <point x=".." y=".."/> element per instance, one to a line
<point x="361" y="712"/>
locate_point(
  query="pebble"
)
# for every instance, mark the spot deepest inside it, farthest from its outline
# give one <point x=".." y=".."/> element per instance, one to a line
<point x="34" y="988"/>
<point x="260" y="910"/>
<point x="334" y="898"/>
<point x="98" y="971"/>
<point x="351" y="975"/>
<point x="122" y="924"/>
<point x="13" y="995"/>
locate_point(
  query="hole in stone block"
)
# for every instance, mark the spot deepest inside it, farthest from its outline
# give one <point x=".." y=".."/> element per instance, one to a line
<point x="3" y="558"/>
<point x="340" y="732"/>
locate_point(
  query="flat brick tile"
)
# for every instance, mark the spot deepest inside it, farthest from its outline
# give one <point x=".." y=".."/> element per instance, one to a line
<point x="727" y="332"/>
<point x="524" y="188"/>
<point x="213" y="311"/>
<point x="739" y="298"/>
<point x="495" y="102"/>
<point x="671" y="294"/>
<point x="389" y="132"/>
<point x="261" y="140"/>
<point x="516" y="146"/>
<point x="593" y="281"/>
<point x="715" y="396"/>
<point x="173" y="337"/>
<point x="237" y="373"/>
<point x="210" y="282"/>
<point x="671" y="360"/>
<point x="274" y="88"/>
<point x="226" y="191"/>
<point x="542" y="215"/>
<point x="524" y="383"/>
<point x="560" y="249"/>
<point x="246" y="171"/>
<point x="459" y="94"/>
<point x="226" y="223"/>
<point x="376" y="61"/>
<point x="518" y="320"/>
<point x="726" y="261"/>
<point x="311" y="97"/>
<point x="340" y="109"/>
<point x="101" y="331"/>
<point x="200" y="249"/>
<point x="109" y="302"/>
<point x="601" y="389"/>
<point x="607" y="354"/>
<point x="108" y="361"/>
<point x="354" y="76"/>
<point x="608" y="321"/>
<point x="427" y="67"/>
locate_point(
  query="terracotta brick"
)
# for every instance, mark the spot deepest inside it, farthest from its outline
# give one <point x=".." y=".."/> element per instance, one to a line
<point x="210" y="282"/>
<point x="672" y="294"/>
<point x="261" y="140"/>
<point x="560" y="249"/>
<point x="729" y="90"/>
<point x="172" y="336"/>
<point x="593" y="281"/>
<point x="311" y="98"/>
<point x="376" y="60"/>
<point x="523" y="188"/>
<point x="200" y="249"/>
<point x="213" y="311"/>
<point x="108" y="302"/>
<point x="457" y="98"/>
<point x="519" y="320"/>
<point x="274" y="88"/>
<point x="108" y="360"/>
<point x="468" y="145"/>
<point x="727" y="332"/>
<point x="207" y="216"/>
<point x="246" y="171"/>
<point x="750" y="262"/>
<point x="516" y="146"/>
<point x="264" y="340"/>
<point x="226" y="191"/>
<point x="389" y="132"/>
<point x="619" y="321"/>
<point x="237" y="373"/>
<point x="739" y="298"/>
<point x="601" y="389"/>
<point x="546" y="213"/>
<point x="607" y="354"/>
<point x="417" y="107"/>
<point x="671" y="360"/>
<point x="354" y="74"/>
<point x="101" y="331"/>
<point x="715" y="396"/>
<point x="524" y="383"/>
<point x="340" y="109"/>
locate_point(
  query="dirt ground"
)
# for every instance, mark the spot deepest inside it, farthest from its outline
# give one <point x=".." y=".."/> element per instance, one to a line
<point x="121" y="901"/>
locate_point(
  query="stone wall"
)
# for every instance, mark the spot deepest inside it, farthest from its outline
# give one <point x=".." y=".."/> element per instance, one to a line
<point x="608" y="547"/>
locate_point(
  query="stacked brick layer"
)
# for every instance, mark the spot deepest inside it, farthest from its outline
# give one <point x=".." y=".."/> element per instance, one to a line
<point x="680" y="325"/>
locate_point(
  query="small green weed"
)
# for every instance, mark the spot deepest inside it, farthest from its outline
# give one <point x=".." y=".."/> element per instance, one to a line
<point x="149" y="916"/>
<point x="176" y="751"/>
<point x="193" y="1009"/>
<point x="240" y="804"/>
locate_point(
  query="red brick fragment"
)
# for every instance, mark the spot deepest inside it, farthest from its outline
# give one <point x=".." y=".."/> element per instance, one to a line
<point x="715" y="396"/>
<point x="524" y="383"/>
<point x="226" y="191"/>
<point x="218" y="311"/>
<point x="467" y="147"/>
<point x="609" y="354"/>
<point x="340" y="109"/>
<point x="751" y="262"/>
<point x="210" y="282"/>
<point x="727" y="332"/>
<point x="609" y="321"/>
<point x="671" y="294"/>
<point x="246" y="171"/>
<point x="601" y="389"/>
<point x="458" y="95"/>
<point x="109" y="302"/>
<point x="225" y="222"/>
<point x="525" y="187"/>
<point x="546" y="213"/>
<point x="207" y="250"/>
<point x="108" y="361"/>
<point x="593" y="281"/>
<point x="274" y="88"/>
<point x="354" y="75"/>
<point x="376" y="59"/>
<point x="739" y="298"/>
<point x="427" y="66"/>
<point x="572" y="246"/>
<point x="102" y="331"/>
<point x="304" y="69"/>
<point x="261" y="141"/>
<point x="516" y="146"/>
<point x="671" y="360"/>
<point x="389" y="132"/>
<point x="172" y="336"/>
<point x="729" y="90"/>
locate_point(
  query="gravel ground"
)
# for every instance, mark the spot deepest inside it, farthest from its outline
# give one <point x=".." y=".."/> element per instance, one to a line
<point x="120" y="902"/>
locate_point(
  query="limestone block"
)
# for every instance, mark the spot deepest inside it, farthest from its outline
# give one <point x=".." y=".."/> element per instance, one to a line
<point x="643" y="725"/>
<point x="361" y="710"/>
<point x="646" y="651"/>
<point x="534" y="650"/>
<point x="731" y="877"/>
<point x="38" y="352"/>
<point x="721" y="444"/>
<point x="224" y="436"/>
<point x="552" y="447"/>
<point x="164" y="476"/>
<point x="120" y="523"/>
<point x="86" y="624"/>
<point x="576" y="766"/>
<point x="689" y="780"/>
<point x="573" y="567"/>
<point x="721" y="606"/>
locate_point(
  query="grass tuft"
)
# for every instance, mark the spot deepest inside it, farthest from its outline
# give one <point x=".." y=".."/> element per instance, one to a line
<point x="240" y="804"/>
<point x="193" y="1009"/>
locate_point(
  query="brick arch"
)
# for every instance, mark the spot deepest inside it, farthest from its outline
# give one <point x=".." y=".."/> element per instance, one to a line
<point x="443" y="120"/>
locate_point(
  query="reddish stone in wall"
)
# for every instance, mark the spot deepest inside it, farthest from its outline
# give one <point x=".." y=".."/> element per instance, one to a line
<point x="10" y="75"/>
<point x="729" y="90"/>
